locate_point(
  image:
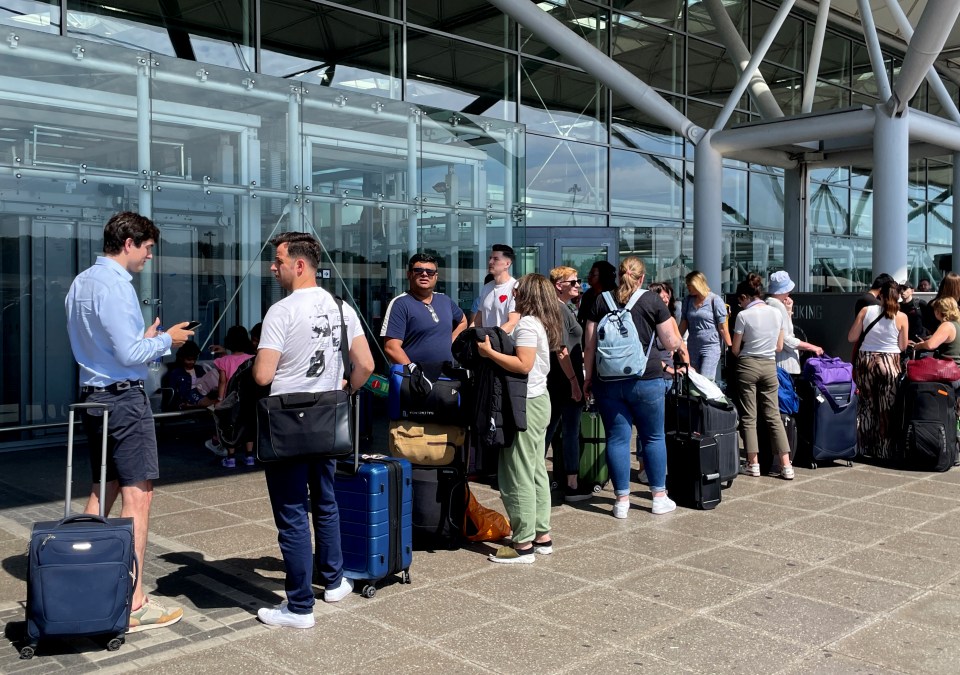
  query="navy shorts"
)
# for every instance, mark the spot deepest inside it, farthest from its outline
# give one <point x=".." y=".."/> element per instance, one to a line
<point x="132" y="441"/>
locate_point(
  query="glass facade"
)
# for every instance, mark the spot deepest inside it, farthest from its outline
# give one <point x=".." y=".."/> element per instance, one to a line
<point x="389" y="126"/>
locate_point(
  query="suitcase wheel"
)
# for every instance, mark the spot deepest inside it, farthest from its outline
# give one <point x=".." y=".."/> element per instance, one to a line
<point x="115" y="643"/>
<point x="369" y="591"/>
<point x="28" y="652"/>
<point x="813" y="465"/>
<point x="849" y="463"/>
<point x="597" y="487"/>
<point x="405" y="577"/>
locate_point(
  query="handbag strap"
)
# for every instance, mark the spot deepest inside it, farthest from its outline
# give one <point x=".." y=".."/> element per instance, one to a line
<point x="344" y="350"/>
<point x="867" y="329"/>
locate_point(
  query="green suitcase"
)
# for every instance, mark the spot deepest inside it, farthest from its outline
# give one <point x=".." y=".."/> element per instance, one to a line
<point x="593" y="455"/>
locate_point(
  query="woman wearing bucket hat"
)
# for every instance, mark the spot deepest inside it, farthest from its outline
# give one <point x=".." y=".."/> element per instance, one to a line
<point x="778" y="297"/>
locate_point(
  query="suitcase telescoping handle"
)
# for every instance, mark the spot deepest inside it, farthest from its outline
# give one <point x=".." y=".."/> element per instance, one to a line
<point x="355" y="411"/>
<point x="105" y="407"/>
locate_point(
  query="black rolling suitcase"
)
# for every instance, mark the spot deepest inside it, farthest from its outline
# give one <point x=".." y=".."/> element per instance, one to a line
<point x="929" y="440"/>
<point x="693" y="460"/>
<point x="439" y="506"/>
<point x="82" y="568"/>
<point x="827" y="425"/>
<point x="710" y="418"/>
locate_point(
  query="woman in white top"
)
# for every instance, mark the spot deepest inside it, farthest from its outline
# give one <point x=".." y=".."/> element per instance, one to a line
<point x="778" y="297"/>
<point x="882" y="333"/>
<point x="524" y="487"/>
<point x="757" y="338"/>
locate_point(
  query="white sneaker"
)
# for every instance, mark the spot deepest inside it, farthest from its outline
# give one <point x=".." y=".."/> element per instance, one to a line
<point x="621" y="508"/>
<point x="282" y="616"/>
<point x="218" y="450"/>
<point x="340" y="592"/>
<point x="663" y="504"/>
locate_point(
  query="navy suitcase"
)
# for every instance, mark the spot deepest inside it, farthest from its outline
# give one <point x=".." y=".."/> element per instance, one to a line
<point x="376" y="519"/>
<point x="82" y="569"/>
<point x="828" y="426"/>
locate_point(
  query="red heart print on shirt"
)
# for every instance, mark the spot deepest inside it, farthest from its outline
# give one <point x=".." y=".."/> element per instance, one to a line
<point x="503" y="298"/>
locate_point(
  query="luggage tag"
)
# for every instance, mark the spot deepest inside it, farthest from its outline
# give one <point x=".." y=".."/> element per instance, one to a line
<point x="820" y="398"/>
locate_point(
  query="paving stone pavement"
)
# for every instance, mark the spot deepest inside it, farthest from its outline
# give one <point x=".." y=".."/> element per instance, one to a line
<point x="843" y="570"/>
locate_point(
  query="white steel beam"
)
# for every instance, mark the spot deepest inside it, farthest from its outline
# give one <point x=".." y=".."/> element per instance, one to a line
<point x="758" y="89"/>
<point x="582" y="54"/>
<point x="813" y="64"/>
<point x="794" y="131"/>
<point x="873" y="48"/>
<point x="708" y="211"/>
<point x="891" y="141"/>
<point x="927" y="128"/>
<point x="754" y="63"/>
<point x="924" y="45"/>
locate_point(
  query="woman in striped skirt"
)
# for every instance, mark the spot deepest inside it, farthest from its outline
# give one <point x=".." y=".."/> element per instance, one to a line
<point x="882" y="332"/>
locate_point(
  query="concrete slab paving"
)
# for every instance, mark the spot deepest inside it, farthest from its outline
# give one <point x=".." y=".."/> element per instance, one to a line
<point x="844" y="570"/>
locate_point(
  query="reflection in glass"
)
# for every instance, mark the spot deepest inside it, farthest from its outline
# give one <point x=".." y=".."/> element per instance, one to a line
<point x="840" y="264"/>
<point x="470" y="19"/>
<point x="786" y="85"/>
<point x="830" y="97"/>
<point x="939" y="223"/>
<point x="445" y="73"/>
<point x="666" y="13"/>
<point x="711" y="75"/>
<point x="766" y="200"/>
<point x="700" y="23"/>
<point x="588" y="21"/>
<point x="861" y="213"/>
<point x="31" y="15"/>
<point x="658" y="244"/>
<point x="835" y="59"/>
<point x="189" y="32"/>
<point x="734" y="196"/>
<point x="567" y="218"/>
<point x="651" y="53"/>
<point x="633" y="129"/>
<point x="329" y="47"/>
<point x="561" y="102"/>
<point x="566" y="174"/>
<point x="829" y="210"/>
<point x="755" y="251"/>
<point x="646" y="185"/>
<point x="787" y="48"/>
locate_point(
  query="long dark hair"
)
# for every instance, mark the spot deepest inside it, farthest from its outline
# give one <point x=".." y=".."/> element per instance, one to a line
<point x="890" y="299"/>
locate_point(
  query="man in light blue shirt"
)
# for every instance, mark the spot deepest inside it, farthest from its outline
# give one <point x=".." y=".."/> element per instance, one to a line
<point x="109" y="343"/>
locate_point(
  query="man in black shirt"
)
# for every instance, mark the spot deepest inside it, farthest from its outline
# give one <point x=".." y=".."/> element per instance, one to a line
<point x="871" y="296"/>
<point x="913" y="308"/>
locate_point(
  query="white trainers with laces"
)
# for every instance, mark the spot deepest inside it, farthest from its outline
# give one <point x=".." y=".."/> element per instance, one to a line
<point x="340" y="592"/>
<point x="282" y="616"/>
<point x="621" y="508"/>
<point x="663" y="504"/>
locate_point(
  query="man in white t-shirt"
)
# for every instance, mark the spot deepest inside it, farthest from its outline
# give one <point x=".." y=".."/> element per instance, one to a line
<point x="299" y="351"/>
<point x="497" y="306"/>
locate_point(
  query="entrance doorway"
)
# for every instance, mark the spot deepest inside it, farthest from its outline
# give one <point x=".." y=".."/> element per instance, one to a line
<point x="546" y="248"/>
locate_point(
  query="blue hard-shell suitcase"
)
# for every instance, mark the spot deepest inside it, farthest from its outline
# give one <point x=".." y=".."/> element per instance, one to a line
<point x="828" y="427"/>
<point x="82" y="569"/>
<point x="375" y="498"/>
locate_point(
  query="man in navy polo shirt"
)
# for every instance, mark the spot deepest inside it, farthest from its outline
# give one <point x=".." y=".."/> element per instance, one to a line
<point x="421" y="325"/>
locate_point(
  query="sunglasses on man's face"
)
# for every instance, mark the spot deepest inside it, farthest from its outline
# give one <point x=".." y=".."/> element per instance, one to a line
<point x="417" y="271"/>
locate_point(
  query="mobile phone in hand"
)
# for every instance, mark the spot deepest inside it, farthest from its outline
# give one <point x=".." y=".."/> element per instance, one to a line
<point x="192" y="325"/>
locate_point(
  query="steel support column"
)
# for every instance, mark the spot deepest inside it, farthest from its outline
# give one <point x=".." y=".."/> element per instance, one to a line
<point x="759" y="53"/>
<point x="891" y="142"/>
<point x="146" y="280"/>
<point x="597" y="64"/>
<point x="413" y="191"/>
<point x="813" y="65"/>
<point x="759" y="91"/>
<point x="877" y="64"/>
<point x="795" y="242"/>
<point x="708" y="211"/>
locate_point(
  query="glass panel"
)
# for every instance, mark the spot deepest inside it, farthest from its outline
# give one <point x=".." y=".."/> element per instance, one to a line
<point x="755" y="251"/>
<point x="939" y="223"/>
<point x="710" y="73"/>
<point x="705" y="115"/>
<point x="829" y="208"/>
<point x="471" y="19"/>
<point x="581" y="258"/>
<point x="860" y="177"/>
<point x="387" y="8"/>
<point x="700" y="23"/>
<point x="652" y="54"/>
<point x="835" y="60"/>
<point x="540" y="218"/>
<point x="863" y="82"/>
<point x="566" y="174"/>
<point x="633" y="129"/>
<point x="934" y="106"/>
<point x="917" y="179"/>
<point x="216" y="33"/>
<point x="658" y="244"/>
<point x="561" y="102"/>
<point x="838" y="175"/>
<point x="31" y="15"/>
<point x="861" y="213"/>
<point x="939" y="181"/>
<point x="734" y="196"/>
<point x="829" y="97"/>
<point x="840" y="264"/>
<point x="666" y="13"/>
<point x="787" y="48"/>
<point x="766" y="200"/>
<point x="647" y="185"/>
<point x="588" y="21"/>
<point x="445" y="73"/>
<point x="329" y="47"/>
<point x="786" y="85"/>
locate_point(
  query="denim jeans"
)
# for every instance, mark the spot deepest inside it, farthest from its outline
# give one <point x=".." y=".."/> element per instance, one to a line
<point x="667" y="386"/>
<point x="624" y="404"/>
<point x="299" y="490"/>
<point x="569" y="412"/>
